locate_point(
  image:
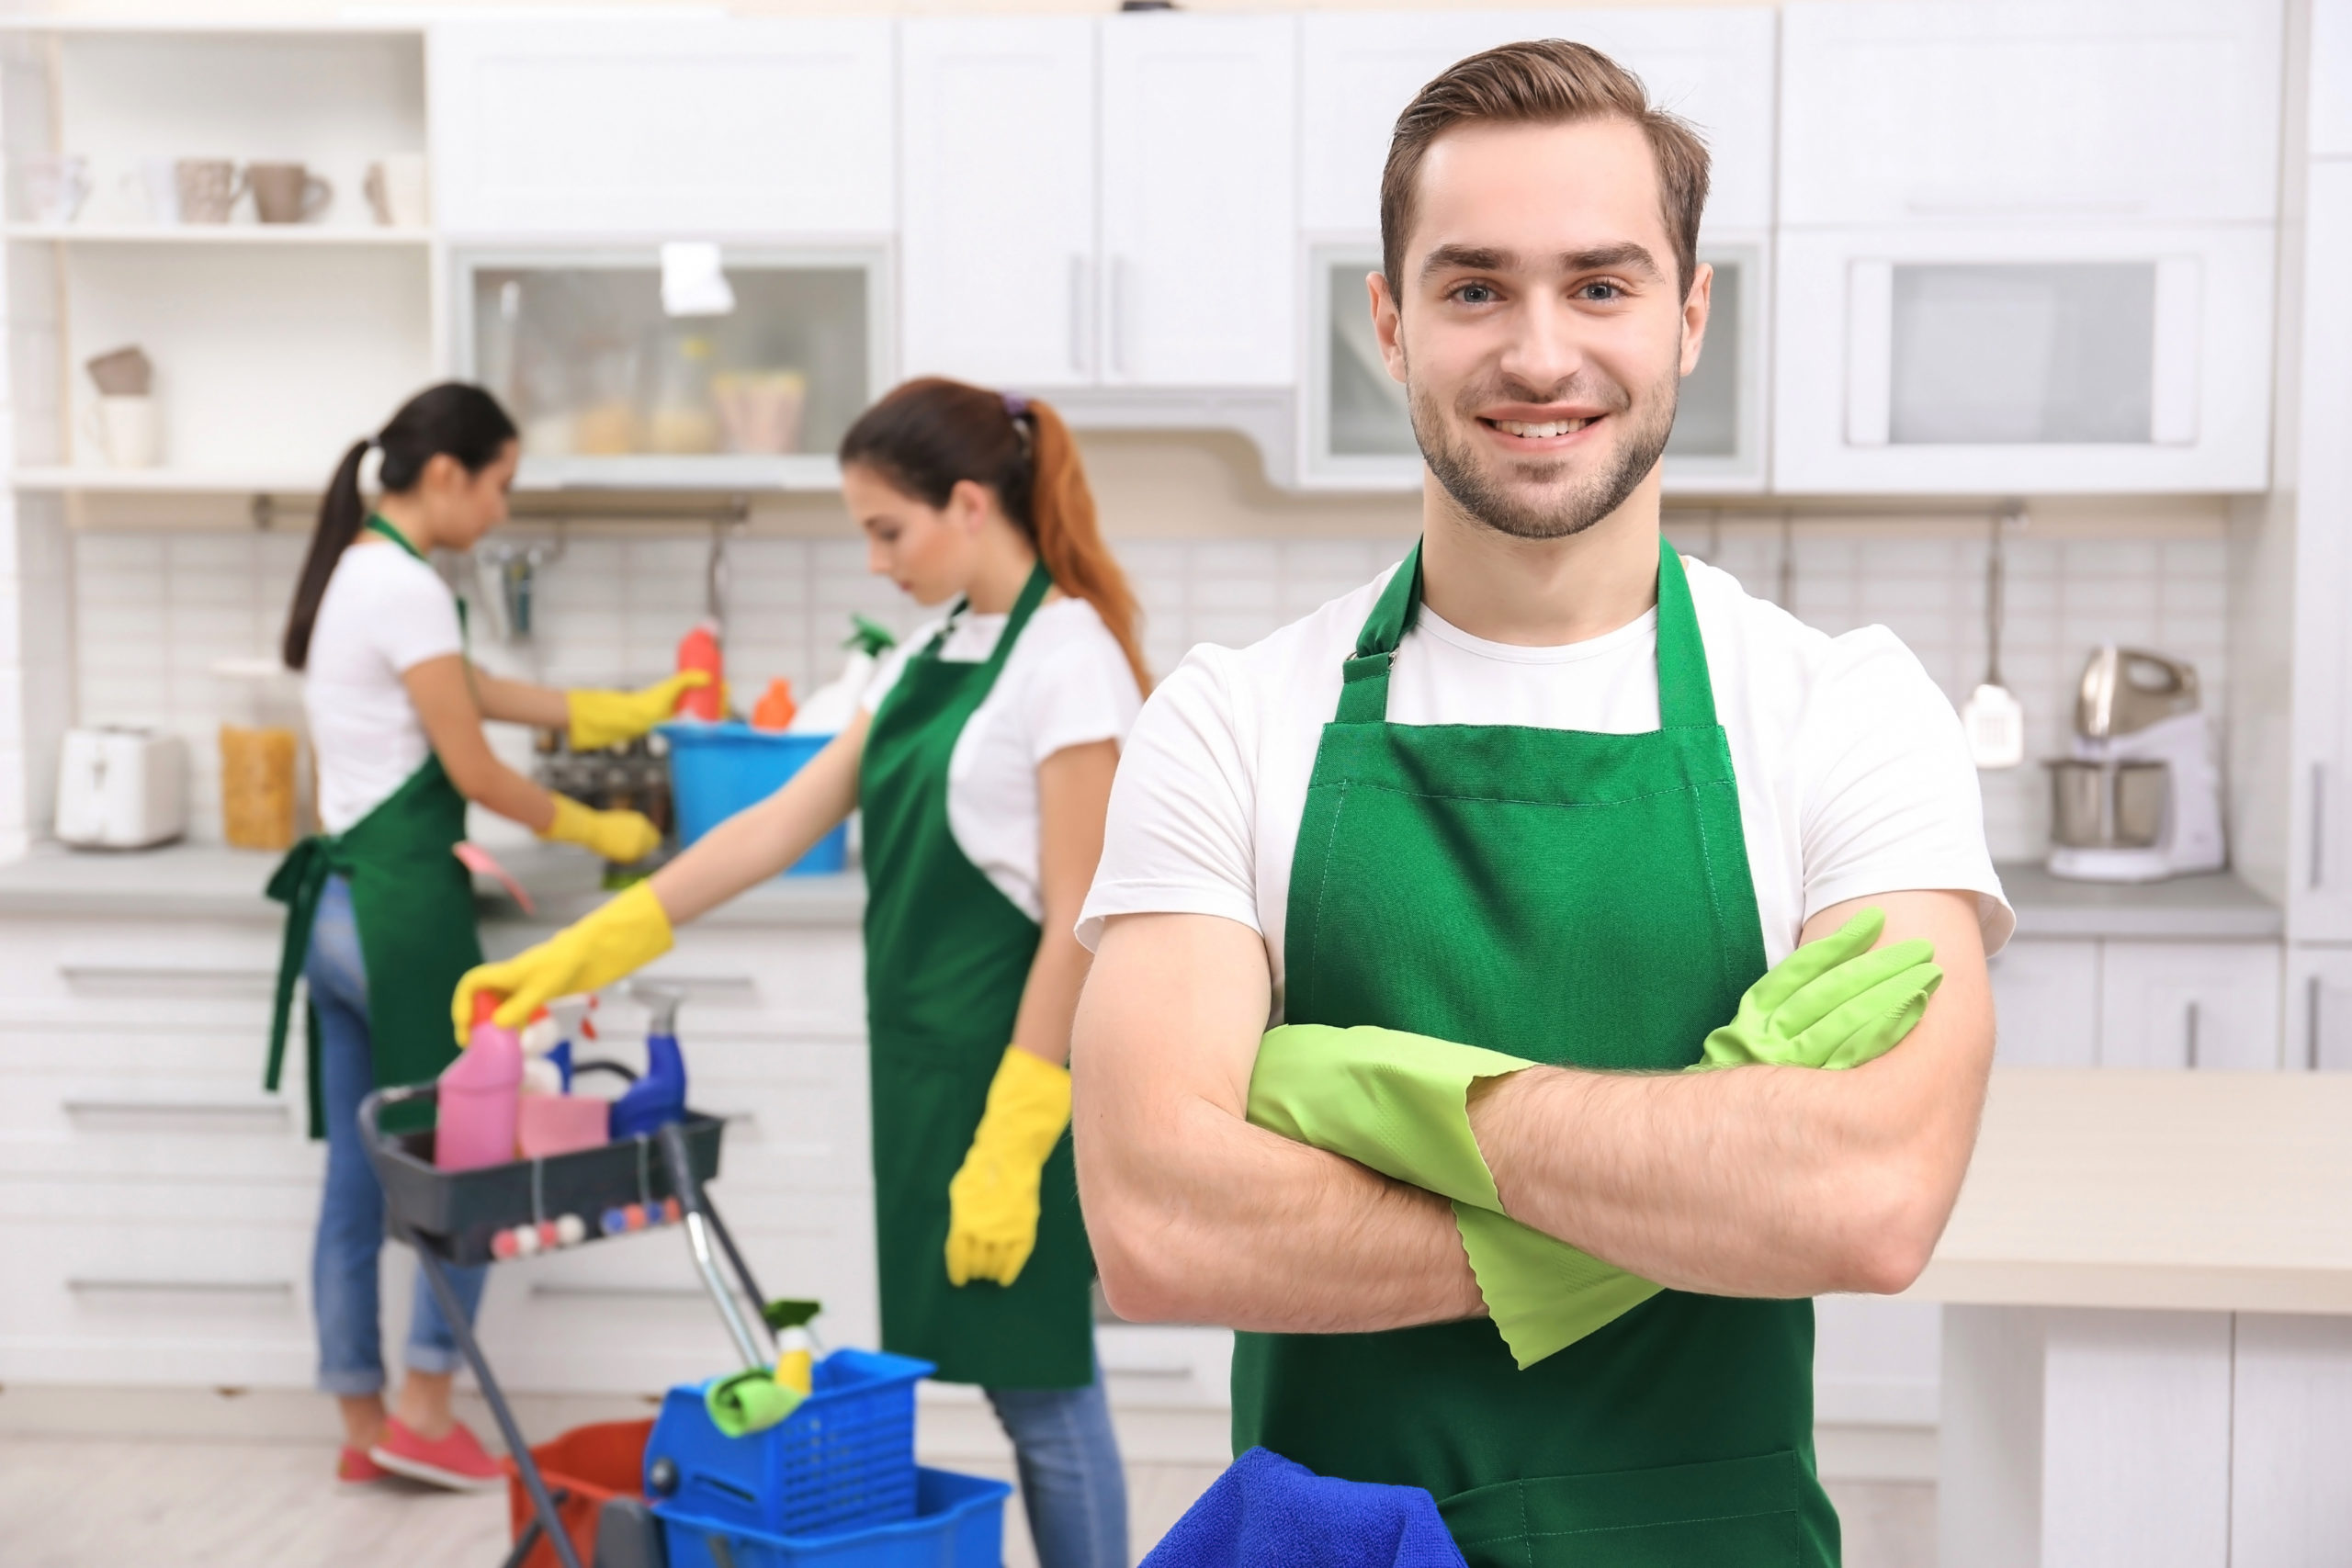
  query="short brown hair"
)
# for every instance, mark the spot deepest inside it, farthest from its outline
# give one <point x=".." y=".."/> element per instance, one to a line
<point x="1542" y="82"/>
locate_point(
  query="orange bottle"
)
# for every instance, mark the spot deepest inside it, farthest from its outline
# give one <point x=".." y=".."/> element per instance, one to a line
<point x="698" y="650"/>
<point x="776" y="706"/>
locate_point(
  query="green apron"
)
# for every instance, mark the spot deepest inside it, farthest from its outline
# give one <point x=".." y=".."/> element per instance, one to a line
<point x="1570" y="897"/>
<point x="946" y="958"/>
<point x="414" y="903"/>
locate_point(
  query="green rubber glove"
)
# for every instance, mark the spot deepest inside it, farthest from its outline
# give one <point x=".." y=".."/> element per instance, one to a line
<point x="1399" y="1103"/>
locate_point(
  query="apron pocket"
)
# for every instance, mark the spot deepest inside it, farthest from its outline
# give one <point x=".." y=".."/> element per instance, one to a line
<point x="1741" y="1511"/>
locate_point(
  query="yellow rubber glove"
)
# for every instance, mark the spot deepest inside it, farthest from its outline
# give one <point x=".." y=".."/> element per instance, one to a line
<point x="631" y="931"/>
<point x="992" y="1201"/>
<point x="618" y="836"/>
<point x="606" y="718"/>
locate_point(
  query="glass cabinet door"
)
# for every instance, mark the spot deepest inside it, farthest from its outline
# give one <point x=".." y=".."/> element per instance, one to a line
<point x="1987" y="354"/>
<point x="1358" y="433"/>
<point x="609" y="389"/>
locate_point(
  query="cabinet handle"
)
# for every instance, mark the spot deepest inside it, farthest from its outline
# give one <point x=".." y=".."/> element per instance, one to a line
<point x="2192" y="1035"/>
<point x="2319" y="821"/>
<point x="1119" y="291"/>
<point x="157" y="973"/>
<point x="269" y="1109"/>
<point x="558" y="1289"/>
<point x="2310" y="1024"/>
<point x="182" y="1287"/>
<point x="1079" y="354"/>
<point x="704" y="982"/>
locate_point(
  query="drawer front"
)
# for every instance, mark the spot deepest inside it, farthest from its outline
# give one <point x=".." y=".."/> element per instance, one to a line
<point x="196" y="1128"/>
<point x="221" y="1300"/>
<point x="173" y="974"/>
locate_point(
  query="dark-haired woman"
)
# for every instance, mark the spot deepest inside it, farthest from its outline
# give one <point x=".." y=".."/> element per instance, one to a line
<point x="395" y="714"/>
<point x="982" y="765"/>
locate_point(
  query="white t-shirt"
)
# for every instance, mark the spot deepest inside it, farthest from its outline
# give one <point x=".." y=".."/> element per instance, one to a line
<point x="384" y="613"/>
<point x="1064" y="683"/>
<point x="1854" y="776"/>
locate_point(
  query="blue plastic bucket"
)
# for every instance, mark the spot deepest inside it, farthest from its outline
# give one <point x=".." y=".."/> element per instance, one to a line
<point x="717" y="770"/>
<point x="958" y="1522"/>
<point x="845" y="1460"/>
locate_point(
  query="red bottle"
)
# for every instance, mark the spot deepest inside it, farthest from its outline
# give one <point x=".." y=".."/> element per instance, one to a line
<point x="698" y="650"/>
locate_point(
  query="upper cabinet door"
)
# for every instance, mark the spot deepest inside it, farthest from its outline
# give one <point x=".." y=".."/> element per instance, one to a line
<point x="2027" y="110"/>
<point x="1200" y="211"/>
<point x="1359" y="70"/>
<point x="998" y="140"/>
<point x="664" y="127"/>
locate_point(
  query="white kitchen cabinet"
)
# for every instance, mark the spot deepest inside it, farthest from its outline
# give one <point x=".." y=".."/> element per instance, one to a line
<point x="2045" y="1003"/>
<point x="1200" y="213"/>
<point x="2331" y="79"/>
<point x="2291" y="1398"/>
<point x="998" y="217"/>
<point x="1358" y="70"/>
<point x="2318" y="1033"/>
<point x="2317" y="466"/>
<point x="611" y="390"/>
<point x="665" y="126"/>
<point x="1981" y="113"/>
<point x="2059" y="358"/>
<point x="2208" y="1005"/>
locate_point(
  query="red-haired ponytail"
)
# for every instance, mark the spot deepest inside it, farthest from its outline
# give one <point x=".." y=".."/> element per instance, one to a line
<point x="927" y="435"/>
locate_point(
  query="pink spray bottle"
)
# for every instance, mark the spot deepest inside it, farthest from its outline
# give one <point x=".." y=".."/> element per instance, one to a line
<point x="479" y="1094"/>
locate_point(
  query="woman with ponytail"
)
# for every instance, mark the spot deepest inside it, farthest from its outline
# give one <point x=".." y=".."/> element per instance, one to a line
<point x="982" y="763"/>
<point x="396" y="714"/>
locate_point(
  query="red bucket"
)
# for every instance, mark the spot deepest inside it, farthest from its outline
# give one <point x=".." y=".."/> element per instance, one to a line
<point x="589" y="1464"/>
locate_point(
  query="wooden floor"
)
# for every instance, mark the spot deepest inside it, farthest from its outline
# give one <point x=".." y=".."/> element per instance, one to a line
<point x="83" y="1502"/>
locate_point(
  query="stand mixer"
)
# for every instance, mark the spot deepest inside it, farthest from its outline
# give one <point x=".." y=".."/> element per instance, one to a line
<point x="2141" y="798"/>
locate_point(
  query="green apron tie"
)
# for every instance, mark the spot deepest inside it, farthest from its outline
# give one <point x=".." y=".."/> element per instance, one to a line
<point x="1570" y="897"/>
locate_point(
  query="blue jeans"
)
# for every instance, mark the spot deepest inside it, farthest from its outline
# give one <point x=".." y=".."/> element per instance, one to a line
<point x="1071" y="1481"/>
<point x="351" y="1217"/>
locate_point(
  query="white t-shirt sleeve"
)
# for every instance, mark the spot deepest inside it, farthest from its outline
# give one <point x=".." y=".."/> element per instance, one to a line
<point x="1888" y="797"/>
<point x="1178" y="837"/>
<point x="1082" y="694"/>
<point x="413" y="617"/>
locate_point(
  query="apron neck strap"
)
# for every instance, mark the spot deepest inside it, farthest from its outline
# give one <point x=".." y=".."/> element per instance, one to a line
<point x="1686" y="697"/>
<point x="376" y="525"/>
<point x="1032" y="593"/>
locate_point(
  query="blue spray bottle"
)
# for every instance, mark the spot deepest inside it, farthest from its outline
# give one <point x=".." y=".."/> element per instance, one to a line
<point x="660" y="1096"/>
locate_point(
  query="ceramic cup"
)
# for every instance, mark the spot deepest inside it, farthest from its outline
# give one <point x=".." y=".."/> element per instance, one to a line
<point x="395" y="189"/>
<point x="129" y="431"/>
<point x="53" y="186"/>
<point x="287" y="193"/>
<point x="153" y="185"/>
<point x="208" y="188"/>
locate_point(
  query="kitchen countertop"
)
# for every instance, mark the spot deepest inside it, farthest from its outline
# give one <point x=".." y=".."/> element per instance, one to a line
<point x="2197" y="1192"/>
<point x="199" y="881"/>
<point x="2214" y="906"/>
<point x="212" y="882"/>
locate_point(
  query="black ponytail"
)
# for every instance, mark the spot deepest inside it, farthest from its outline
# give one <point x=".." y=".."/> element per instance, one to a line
<point x="457" y="418"/>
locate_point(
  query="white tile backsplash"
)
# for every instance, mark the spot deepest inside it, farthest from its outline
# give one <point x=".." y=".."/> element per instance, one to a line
<point x="153" y="611"/>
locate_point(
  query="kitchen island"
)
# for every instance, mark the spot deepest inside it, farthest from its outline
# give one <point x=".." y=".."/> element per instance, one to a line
<point x="2147" y="1344"/>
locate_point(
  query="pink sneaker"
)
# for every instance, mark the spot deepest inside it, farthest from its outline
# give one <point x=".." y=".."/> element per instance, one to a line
<point x="455" y="1460"/>
<point x="354" y="1468"/>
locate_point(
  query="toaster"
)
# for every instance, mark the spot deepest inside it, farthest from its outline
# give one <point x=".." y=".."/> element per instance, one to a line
<point x="121" y="789"/>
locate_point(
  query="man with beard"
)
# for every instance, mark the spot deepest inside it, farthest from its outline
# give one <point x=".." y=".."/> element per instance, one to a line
<point x="1548" y="789"/>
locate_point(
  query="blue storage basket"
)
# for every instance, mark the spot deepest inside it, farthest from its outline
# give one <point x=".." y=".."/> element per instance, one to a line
<point x="958" y="1523"/>
<point x="845" y="1458"/>
<point x="717" y="770"/>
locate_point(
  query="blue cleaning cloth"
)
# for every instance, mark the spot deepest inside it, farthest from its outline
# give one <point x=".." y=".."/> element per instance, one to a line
<point x="1266" y="1512"/>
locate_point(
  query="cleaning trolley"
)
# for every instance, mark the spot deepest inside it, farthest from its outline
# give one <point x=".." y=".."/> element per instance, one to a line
<point x="791" y="1463"/>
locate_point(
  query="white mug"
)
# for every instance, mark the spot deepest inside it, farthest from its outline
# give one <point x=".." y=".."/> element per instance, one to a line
<point x="53" y="186"/>
<point x="129" y="431"/>
<point x="395" y="188"/>
<point x="154" y="182"/>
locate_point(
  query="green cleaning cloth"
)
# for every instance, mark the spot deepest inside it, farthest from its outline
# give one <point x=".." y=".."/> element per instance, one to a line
<point x="746" y="1402"/>
<point x="1399" y="1103"/>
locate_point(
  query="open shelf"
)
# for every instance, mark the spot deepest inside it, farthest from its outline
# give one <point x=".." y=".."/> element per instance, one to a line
<point x="215" y="234"/>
